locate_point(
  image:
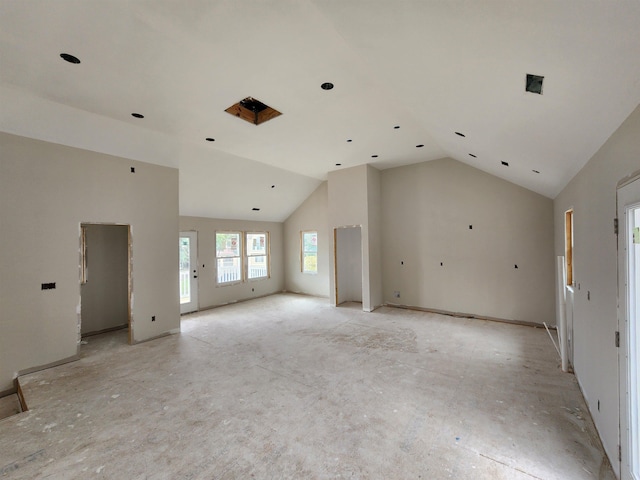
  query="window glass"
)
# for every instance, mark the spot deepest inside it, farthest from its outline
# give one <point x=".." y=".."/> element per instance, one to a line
<point x="228" y="255"/>
<point x="309" y="252"/>
<point x="257" y="255"/>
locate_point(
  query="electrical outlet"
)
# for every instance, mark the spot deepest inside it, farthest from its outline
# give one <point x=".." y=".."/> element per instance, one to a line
<point x="396" y="294"/>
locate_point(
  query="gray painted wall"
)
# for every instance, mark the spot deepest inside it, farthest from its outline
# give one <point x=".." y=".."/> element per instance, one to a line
<point x="46" y="192"/>
<point x="105" y="295"/>
<point x="311" y="215"/>
<point x="592" y="195"/>
<point x="426" y="213"/>
<point x="209" y="293"/>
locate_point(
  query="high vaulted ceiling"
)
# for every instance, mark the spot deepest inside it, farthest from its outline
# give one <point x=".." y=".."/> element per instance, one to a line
<point x="429" y="67"/>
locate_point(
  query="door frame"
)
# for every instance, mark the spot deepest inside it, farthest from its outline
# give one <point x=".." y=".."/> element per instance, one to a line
<point x="336" y="247"/>
<point x="625" y="201"/>
<point x="193" y="305"/>
<point x="82" y="274"/>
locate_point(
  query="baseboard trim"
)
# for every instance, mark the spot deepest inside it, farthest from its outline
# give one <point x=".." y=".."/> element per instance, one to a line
<point x="105" y="330"/>
<point x="21" y="399"/>
<point x="469" y="315"/>
<point x="27" y="371"/>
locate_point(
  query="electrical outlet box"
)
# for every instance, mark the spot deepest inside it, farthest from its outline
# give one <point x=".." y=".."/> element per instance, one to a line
<point x="153" y="318"/>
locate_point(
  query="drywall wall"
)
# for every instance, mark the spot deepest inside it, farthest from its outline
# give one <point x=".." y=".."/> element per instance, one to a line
<point x="310" y="215"/>
<point x="374" y="222"/>
<point x="592" y="195"/>
<point x="105" y="293"/>
<point x="350" y="205"/>
<point x="46" y="192"/>
<point x="453" y="235"/>
<point x="212" y="295"/>
<point x="349" y="264"/>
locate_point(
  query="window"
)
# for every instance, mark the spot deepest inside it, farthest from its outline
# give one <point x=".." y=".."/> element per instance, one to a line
<point x="257" y="255"/>
<point x="568" y="245"/>
<point x="228" y="256"/>
<point x="309" y="252"/>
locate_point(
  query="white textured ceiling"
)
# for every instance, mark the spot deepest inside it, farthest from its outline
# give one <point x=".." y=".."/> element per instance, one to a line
<point x="430" y="67"/>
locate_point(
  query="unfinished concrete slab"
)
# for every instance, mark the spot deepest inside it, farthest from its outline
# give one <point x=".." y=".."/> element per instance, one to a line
<point x="289" y="387"/>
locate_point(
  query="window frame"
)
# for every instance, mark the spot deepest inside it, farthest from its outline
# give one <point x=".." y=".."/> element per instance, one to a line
<point x="240" y="256"/>
<point x="303" y="252"/>
<point x="266" y="255"/>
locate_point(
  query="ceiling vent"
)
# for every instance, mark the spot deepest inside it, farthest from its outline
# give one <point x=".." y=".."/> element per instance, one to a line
<point x="253" y="111"/>
<point x="534" y="83"/>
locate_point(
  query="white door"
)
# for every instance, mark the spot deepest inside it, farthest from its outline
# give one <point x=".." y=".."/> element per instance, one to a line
<point x="629" y="327"/>
<point x="188" y="272"/>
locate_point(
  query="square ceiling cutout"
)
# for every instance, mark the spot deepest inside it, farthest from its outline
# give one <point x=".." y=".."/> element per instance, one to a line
<point x="253" y="111"/>
<point x="534" y="83"/>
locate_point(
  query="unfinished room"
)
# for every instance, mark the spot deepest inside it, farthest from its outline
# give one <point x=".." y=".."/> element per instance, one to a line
<point x="318" y="239"/>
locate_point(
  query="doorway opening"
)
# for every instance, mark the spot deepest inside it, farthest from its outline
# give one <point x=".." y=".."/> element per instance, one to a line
<point x="629" y="327"/>
<point x="348" y="264"/>
<point x="105" y="279"/>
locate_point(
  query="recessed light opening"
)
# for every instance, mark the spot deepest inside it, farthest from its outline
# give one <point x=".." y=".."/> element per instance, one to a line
<point x="255" y="209"/>
<point x="535" y="171"/>
<point x="273" y="186"/>
<point x="70" y="58"/>
<point x="209" y="139"/>
<point x="472" y="155"/>
<point x="419" y="146"/>
<point x="460" y="134"/>
<point x="338" y="164"/>
<point x="374" y="156"/>
<point x="349" y="141"/>
<point x="396" y="127"/>
<point x="253" y="111"/>
<point x="534" y="83"/>
<point x="137" y="115"/>
<point x="326" y="86"/>
<point x="505" y="164"/>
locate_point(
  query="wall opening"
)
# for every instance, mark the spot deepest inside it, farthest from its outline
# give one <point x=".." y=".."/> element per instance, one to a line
<point x="348" y="264"/>
<point x="105" y="279"/>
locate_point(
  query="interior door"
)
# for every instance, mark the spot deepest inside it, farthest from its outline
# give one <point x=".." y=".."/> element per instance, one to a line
<point x="629" y="327"/>
<point x="188" y="272"/>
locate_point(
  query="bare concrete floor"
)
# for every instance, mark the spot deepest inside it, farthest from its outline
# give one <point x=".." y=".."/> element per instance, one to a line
<point x="288" y="387"/>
